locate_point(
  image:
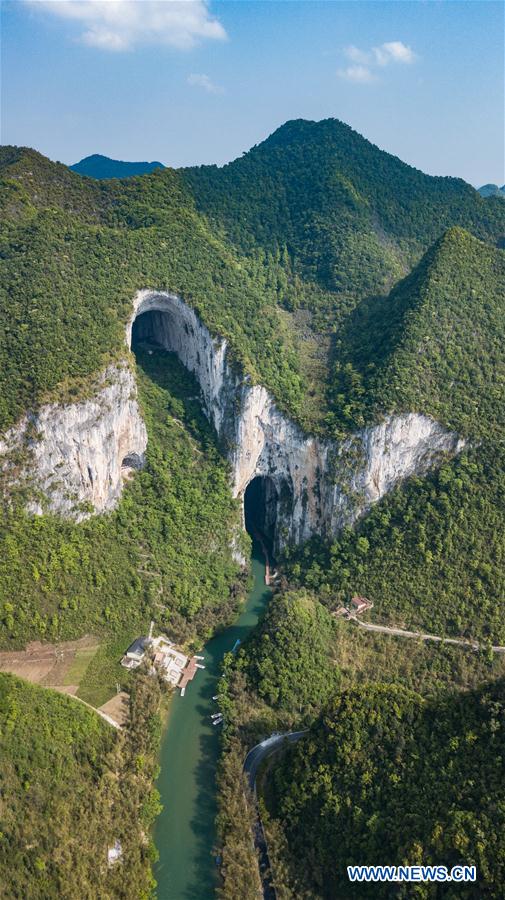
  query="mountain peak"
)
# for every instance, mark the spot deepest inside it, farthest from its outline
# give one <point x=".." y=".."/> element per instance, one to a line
<point x="491" y="190"/>
<point x="98" y="166"/>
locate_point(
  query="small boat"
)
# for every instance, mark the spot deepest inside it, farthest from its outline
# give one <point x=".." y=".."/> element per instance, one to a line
<point x="236" y="645"/>
<point x="215" y="697"/>
<point x="217" y="715"/>
<point x="218" y="721"/>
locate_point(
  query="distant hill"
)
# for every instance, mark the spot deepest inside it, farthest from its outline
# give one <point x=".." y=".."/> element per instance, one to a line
<point x="491" y="190"/>
<point x="97" y="166"/>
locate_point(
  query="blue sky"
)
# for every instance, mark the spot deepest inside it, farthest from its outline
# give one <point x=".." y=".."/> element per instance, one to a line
<point x="195" y="82"/>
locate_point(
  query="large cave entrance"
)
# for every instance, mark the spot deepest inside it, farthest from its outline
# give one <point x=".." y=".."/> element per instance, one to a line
<point x="151" y="329"/>
<point x="260" y="509"/>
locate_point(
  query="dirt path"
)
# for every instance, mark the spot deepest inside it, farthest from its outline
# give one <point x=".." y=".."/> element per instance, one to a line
<point x="50" y="665"/>
<point x="401" y="632"/>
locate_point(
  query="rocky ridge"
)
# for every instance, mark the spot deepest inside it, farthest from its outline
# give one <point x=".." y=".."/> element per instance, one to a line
<point x="83" y="451"/>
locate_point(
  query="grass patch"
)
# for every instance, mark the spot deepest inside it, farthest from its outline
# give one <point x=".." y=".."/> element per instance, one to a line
<point x="104" y="670"/>
<point x="79" y="665"/>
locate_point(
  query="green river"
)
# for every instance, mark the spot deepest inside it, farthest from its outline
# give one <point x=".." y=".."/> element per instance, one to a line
<point x="185" y="830"/>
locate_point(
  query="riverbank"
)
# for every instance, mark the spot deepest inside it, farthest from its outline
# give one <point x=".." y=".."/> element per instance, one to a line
<point x="185" y="831"/>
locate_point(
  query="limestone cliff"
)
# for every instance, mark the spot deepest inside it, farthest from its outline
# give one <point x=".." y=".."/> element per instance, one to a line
<point x="78" y="455"/>
<point x="317" y="485"/>
<point x="320" y="485"/>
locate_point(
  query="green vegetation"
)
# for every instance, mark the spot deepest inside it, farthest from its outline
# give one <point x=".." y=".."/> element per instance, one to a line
<point x="440" y="673"/>
<point x="71" y="787"/>
<point x="351" y="217"/>
<point x="74" y="251"/>
<point x="351" y="286"/>
<point x="289" y="657"/>
<point x="430" y="554"/>
<point x="360" y="788"/>
<point x="80" y="665"/>
<point x="163" y="554"/>
<point x="434" y="345"/>
<point x="105" y="671"/>
<point x="314" y="218"/>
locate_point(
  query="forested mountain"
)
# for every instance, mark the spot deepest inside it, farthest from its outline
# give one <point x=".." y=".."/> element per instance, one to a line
<point x="72" y="788"/>
<point x="98" y="166"/>
<point x="352" y="217"/>
<point x="435" y="343"/>
<point x="351" y="286"/>
<point x="387" y="778"/>
<point x="170" y="537"/>
<point x="286" y="241"/>
<point x="241" y="245"/>
<point x="402" y="761"/>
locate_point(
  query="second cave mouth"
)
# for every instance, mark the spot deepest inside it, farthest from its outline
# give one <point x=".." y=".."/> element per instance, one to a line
<point x="260" y="509"/>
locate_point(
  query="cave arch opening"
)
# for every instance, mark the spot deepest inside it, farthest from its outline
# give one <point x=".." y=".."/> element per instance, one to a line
<point x="151" y="329"/>
<point x="261" y="500"/>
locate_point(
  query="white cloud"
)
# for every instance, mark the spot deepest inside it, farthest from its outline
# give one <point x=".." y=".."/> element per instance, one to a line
<point x="393" y="51"/>
<point x="365" y="61"/>
<point x="358" y="73"/>
<point x="357" y="55"/>
<point x="123" y="24"/>
<point x="204" y="82"/>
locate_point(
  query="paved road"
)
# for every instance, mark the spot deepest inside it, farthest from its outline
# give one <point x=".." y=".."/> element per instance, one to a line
<point x="251" y="764"/>
<point x="260" y="752"/>
<point x="401" y="632"/>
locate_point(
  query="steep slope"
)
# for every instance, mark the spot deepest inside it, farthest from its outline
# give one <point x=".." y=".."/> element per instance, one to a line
<point x="435" y="343"/>
<point x="98" y="166"/>
<point x="360" y="789"/>
<point x="72" y="787"/>
<point x="430" y="555"/>
<point x="74" y="252"/>
<point x="296" y="244"/>
<point x="164" y="553"/>
<point x="79" y="249"/>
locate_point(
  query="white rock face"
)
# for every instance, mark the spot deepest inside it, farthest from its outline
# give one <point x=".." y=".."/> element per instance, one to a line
<point x="177" y="328"/>
<point x="318" y="486"/>
<point x="315" y="486"/>
<point x="82" y="452"/>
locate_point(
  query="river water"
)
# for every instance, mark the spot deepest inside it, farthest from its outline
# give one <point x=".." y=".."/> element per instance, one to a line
<point x="185" y="831"/>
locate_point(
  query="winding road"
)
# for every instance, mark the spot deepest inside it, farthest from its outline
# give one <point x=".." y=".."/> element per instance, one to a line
<point x="270" y="745"/>
<point x="260" y="752"/>
<point x="252" y="763"/>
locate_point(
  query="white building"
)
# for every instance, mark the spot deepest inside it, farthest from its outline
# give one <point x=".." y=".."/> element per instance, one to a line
<point x="135" y="653"/>
<point x="176" y="668"/>
<point x="170" y="660"/>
